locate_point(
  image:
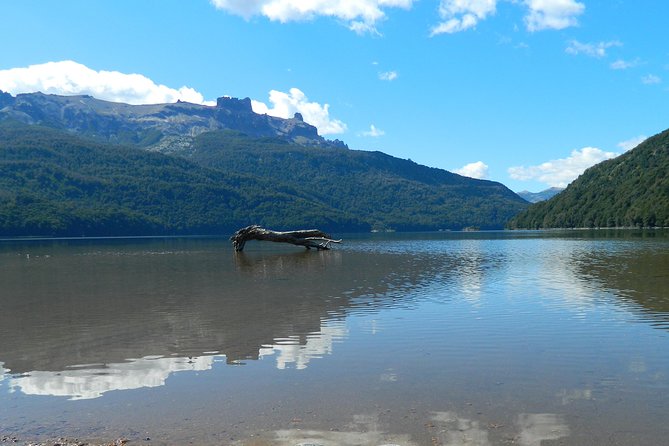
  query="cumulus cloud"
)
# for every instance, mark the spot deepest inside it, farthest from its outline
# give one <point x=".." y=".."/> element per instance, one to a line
<point x="597" y="50"/>
<point x="552" y="14"/>
<point x="285" y="105"/>
<point x="388" y="75"/>
<point x="361" y="15"/>
<point x="561" y="172"/>
<point x="461" y="15"/>
<point x="373" y="132"/>
<point x="621" y="64"/>
<point x="632" y="143"/>
<point x="651" y="79"/>
<point x="71" y="78"/>
<point x="477" y="170"/>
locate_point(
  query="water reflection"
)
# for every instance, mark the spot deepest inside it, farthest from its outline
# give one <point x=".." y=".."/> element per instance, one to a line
<point x="290" y="352"/>
<point x="363" y="430"/>
<point x="535" y="428"/>
<point x="92" y="381"/>
<point x="523" y="327"/>
<point x="531" y="429"/>
<point x="169" y="301"/>
<point x="638" y="274"/>
<point x="89" y="381"/>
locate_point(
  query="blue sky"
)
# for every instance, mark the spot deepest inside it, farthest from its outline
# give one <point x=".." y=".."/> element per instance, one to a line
<point x="525" y="92"/>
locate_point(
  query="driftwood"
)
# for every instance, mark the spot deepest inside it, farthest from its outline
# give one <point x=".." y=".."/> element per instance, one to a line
<point x="309" y="238"/>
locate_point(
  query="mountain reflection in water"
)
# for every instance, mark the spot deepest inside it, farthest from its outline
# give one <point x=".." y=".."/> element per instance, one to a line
<point x="93" y="380"/>
<point x="478" y="338"/>
<point x="177" y="310"/>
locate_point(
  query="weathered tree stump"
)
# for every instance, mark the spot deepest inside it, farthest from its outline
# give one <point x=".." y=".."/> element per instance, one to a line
<point x="309" y="238"/>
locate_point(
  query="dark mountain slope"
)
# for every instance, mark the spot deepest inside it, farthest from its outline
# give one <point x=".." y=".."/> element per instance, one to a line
<point x="630" y="190"/>
<point x="385" y="191"/>
<point x="53" y="183"/>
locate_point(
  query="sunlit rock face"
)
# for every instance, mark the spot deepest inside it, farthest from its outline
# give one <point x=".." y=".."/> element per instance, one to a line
<point x="162" y="127"/>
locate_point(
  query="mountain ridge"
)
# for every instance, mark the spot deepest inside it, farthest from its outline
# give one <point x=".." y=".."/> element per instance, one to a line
<point x="631" y="190"/>
<point x="225" y="164"/>
<point x="150" y="124"/>
<point x="535" y="197"/>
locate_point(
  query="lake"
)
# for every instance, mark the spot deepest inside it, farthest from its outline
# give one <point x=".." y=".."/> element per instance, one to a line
<point x="481" y="338"/>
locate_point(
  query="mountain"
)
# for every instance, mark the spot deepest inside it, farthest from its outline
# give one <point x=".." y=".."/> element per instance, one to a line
<point x="390" y="193"/>
<point x="56" y="184"/>
<point x="535" y="197"/>
<point x="80" y="166"/>
<point x="160" y="125"/>
<point x="630" y="190"/>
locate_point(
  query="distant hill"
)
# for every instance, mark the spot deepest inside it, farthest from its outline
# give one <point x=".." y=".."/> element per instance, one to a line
<point x="79" y="166"/>
<point x="630" y="190"/>
<point x="535" y="197"/>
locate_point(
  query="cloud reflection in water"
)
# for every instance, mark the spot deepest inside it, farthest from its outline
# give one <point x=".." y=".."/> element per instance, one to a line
<point x="88" y="383"/>
<point x="93" y="381"/>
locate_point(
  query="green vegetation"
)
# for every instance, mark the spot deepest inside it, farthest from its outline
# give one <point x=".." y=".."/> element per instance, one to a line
<point x="386" y="192"/>
<point x="631" y="190"/>
<point x="54" y="183"/>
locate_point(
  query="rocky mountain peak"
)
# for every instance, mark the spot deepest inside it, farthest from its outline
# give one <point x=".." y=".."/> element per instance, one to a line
<point x="162" y="127"/>
<point x="5" y="99"/>
<point x="235" y="104"/>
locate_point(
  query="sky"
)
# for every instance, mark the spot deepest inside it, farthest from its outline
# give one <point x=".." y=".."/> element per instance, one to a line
<point x="525" y="92"/>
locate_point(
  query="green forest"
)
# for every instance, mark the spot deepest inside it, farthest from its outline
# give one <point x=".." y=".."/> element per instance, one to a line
<point x="54" y="183"/>
<point x="387" y="192"/>
<point x="631" y="190"/>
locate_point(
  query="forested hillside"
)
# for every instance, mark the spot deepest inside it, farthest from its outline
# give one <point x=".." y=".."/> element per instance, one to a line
<point x="57" y="184"/>
<point x="54" y="183"/>
<point x="104" y="168"/>
<point x="386" y="192"/>
<point x="630" y="190"/>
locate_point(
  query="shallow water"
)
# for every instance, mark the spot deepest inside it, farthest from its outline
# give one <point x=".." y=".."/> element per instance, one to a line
<point x="409" y="339"/>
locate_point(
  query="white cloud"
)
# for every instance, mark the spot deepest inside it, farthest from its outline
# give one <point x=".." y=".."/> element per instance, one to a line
<point x="621" y="64"/>
<point x="632" y="143"/>
<point x="373" y="132"/>
<point x="71" y="78"/>
<point x="361" y="15"/>
<point x="561" y="172"/>
<point x="388" y="75"/>
<point x="552" y="14"/>
<point x="651" y="79"/>
<point x="597" y="50"/>
<point x="285" y="105"/>
<point x="460" y="15"/>
<point x="474" y="170"/>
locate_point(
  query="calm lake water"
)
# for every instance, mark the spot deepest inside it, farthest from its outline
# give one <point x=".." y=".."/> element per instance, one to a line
<point x="497" y="338"/>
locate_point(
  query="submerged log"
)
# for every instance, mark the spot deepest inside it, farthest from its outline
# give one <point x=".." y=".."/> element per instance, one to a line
<point x="309" y="238"/>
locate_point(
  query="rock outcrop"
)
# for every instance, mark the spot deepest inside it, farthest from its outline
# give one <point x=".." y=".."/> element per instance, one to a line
<point x="161" y="127"/>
